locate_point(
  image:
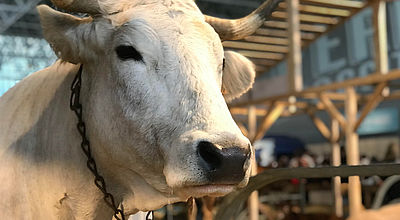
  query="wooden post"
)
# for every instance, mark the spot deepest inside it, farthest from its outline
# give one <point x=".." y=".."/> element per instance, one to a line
<point x="336" y="161"/>
<point x="207" y="207"/>
<point x="170" y="212"/>
<point x="192" y="209"/>
<point x="380" y="43"/>
<point x="380" y="37"/>
<point x="253" y="198"/>
<point x="352" y="151"/>
<point x="332" y="136"/>
<point x="252" y="120"/>
<point x="294" y="57"/>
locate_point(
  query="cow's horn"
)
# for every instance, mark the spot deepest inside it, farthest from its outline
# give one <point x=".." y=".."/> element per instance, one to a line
<point x="82" y="6"/>
<point x="234" y="29"/>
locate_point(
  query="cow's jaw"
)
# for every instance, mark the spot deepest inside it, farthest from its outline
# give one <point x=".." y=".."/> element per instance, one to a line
<point x="206" y="190"/>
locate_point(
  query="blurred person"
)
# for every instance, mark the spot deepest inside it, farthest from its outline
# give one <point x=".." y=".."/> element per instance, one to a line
<point x="365" y="160"/>
<point x="283" y="161"/>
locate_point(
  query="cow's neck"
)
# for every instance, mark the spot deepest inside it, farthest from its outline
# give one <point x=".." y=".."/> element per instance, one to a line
<point x="42" y="168"/>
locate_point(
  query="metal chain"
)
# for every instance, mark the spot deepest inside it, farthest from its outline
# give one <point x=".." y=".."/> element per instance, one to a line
<point x="76" y="106"/>
<point x="148" y="215"/>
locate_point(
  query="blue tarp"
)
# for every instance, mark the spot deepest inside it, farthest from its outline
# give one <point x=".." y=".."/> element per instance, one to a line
<point x="285" y="145"/>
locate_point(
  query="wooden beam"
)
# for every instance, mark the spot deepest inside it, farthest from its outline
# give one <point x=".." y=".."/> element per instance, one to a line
<point x="245" y="111"/>
<point x="267" y="40"/>
<point x="263" y="62"/>
<point x="330" y="28"/>
<point x="308" y="18"/>
<point x="261" y="69"/>
<point x="295" y="65"/>
<point x="380" y="36"/>
<point x="269" y="119"/>
<point x="320" y="10"/>
<point x="243" y="129"/>
<point x="333" y="111"/>
<point x="372" y="102"/>
<point x="360" y="81"/>
<point x="272" y="32"/>
<point x="262" y="112"/>
<point x="299" y="104"/>
<point x="265" y="55"/>
<point x="320" y="125"/>
<point x="282" y="33"/>
<point x="330" y="95"/>
<point x="352" y="151"/>
<point x="337" y="3"/>
<point x="255" y="46"/>
<point x="303" y="27"/>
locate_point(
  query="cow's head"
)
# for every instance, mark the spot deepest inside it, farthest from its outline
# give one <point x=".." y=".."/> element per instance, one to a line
<point x="153" y="76"/>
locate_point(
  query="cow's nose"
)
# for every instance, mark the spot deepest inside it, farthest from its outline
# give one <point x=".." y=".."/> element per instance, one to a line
<point x="224" y="165"/>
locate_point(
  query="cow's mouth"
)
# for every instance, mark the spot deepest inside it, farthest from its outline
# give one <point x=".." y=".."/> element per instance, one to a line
<point x="207" y="190"/>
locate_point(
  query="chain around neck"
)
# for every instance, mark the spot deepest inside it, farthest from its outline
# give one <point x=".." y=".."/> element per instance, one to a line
<point x="99" y="181"/>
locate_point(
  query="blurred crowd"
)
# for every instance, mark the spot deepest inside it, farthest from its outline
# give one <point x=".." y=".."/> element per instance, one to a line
<point x="301" y="157"/>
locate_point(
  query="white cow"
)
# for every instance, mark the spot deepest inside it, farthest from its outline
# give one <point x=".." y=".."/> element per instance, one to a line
<point x="157" y="121"/>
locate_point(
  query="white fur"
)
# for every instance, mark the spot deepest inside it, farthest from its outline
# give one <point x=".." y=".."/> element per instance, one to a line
<point x="144" y="119"/>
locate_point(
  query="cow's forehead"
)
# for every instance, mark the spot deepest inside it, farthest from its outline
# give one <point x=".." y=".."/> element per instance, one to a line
<point x="171" y="24"/>
<point x="126" y="11"/>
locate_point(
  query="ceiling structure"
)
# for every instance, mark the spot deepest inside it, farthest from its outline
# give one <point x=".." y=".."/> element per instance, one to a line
<point x="270" y="43"/>
<point x="266" y="47"/>
<point x="20" y="18"/>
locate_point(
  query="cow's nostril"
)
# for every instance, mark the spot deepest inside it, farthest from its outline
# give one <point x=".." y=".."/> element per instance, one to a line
<point x="226" y="165"/>
<point x="210" y="154"/>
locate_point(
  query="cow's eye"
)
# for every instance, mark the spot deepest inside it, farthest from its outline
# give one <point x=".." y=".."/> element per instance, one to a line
<point x="223" y="64"/>
<point x="128" y="52"/>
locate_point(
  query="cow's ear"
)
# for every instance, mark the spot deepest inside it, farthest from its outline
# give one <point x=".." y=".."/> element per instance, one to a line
<point x="64" y="33"/>
<point x="238" y="75"/>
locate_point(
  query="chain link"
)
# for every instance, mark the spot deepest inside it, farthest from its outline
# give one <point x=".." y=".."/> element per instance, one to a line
<point x="148" y="215"/>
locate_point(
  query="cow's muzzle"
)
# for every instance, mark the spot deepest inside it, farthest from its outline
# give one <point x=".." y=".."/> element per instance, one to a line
<point x="224" y="165"/>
